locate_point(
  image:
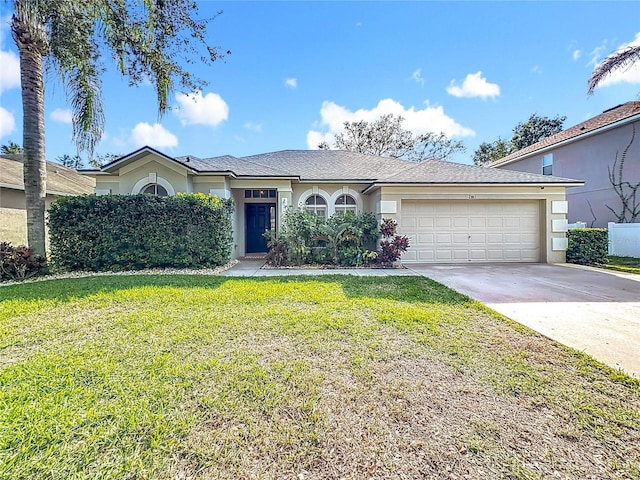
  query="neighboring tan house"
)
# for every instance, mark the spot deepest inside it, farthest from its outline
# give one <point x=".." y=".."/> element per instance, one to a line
<point x="452" y="213"/>
<point x="13" y="214"/>
<point x="587" y="151"/>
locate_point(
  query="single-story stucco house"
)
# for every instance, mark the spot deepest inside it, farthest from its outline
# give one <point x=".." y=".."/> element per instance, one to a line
<point x="13" y="213"/>
<point x="452" y="213"/>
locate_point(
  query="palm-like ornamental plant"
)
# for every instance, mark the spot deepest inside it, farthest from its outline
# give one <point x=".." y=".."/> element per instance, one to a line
<point x="149" y="40"/>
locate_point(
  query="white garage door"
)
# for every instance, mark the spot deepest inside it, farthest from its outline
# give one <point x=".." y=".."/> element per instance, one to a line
<point x="471" y="231"/>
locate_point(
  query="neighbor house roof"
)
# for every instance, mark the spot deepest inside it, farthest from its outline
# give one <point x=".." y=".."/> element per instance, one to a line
<point x="624" y="113"/>
<point x="60" y="180"/>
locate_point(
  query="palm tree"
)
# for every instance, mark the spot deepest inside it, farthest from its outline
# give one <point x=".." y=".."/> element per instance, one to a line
<point x="11" y="148"/>
<point x="616" y="61"/>
<point x="147" y="39"/>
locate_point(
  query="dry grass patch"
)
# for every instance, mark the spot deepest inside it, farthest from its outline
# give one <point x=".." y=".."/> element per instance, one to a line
<point x="188" y="377"/>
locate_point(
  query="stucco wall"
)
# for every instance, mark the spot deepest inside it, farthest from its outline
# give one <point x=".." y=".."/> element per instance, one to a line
<point x="587" y="159"/>
<point x="13" y="216"/>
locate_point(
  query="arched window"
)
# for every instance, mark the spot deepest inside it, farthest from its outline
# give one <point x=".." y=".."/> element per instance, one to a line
<point x="316" y="205"/>
<point x="155" y="189"/>
<point x="345" y="203"/>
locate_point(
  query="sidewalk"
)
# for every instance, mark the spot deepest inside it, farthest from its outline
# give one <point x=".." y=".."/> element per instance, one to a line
<point x="249" y="267"/>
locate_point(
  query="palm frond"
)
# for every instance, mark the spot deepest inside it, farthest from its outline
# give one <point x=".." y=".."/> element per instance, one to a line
<point x="616" y="61"/>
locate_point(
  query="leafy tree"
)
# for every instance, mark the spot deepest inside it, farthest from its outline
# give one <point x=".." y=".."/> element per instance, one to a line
<point x="536" y="128"/>
<point x="77" y="162"/>
<point x="616" y="61"/>
<point x="74" y="162"/>
<point x="10" y="148"/>
<point x="146" y="39"/>
<point x="385" y="137"/>
<point x="489" y="152"/>
<point x="527" y="133"/>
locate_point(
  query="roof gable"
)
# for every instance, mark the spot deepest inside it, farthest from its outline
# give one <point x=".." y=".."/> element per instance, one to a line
<point x="626" y="111"/>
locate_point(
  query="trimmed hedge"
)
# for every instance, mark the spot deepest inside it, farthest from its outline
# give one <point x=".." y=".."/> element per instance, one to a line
<point x="588" y="246"/>
<point x="132" y="232"/>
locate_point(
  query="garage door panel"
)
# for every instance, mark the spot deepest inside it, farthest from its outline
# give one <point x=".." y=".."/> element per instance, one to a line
<point x="443" y="238"/>
<point x="473" y="231"/>
<point x="458" y="222"/>
<point x="511" y="222"/>
<point x="443" y="255"/>
<point x="460" y="239"/>
<point x="426" y="239"/>
<point x="443" y="222"/>
<point x="426" y="222"/>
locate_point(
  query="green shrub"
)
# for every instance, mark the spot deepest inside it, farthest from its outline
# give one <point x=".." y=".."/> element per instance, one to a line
<point x="588" y="246"/>
<point x="131" y="232"/>
<point x="310" y="239"/>
<point x="18" y="263"/>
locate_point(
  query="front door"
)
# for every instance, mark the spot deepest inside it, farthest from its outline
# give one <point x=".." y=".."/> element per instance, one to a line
<point x="258" y="220"/>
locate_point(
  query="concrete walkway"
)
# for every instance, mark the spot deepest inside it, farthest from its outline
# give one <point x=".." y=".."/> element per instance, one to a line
<point x="592" y="310"/>
<point x="253" y="268"/>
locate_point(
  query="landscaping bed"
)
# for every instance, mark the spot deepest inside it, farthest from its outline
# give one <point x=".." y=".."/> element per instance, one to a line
<point x="205" y="377"/>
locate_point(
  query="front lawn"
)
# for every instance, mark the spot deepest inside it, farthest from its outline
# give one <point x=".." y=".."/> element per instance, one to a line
<point x="623" y="264"/>
<point x="196" y="377"/>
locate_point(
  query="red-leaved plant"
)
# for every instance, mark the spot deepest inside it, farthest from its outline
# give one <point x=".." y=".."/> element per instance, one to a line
<point x="392" y="245"/>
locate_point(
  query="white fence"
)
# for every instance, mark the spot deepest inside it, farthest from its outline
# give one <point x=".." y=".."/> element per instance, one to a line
<point x="624" y="239"/>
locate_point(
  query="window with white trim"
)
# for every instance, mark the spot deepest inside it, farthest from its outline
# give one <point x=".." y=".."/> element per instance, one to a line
<point x="316" y="205"/>
<point x="547" y="164"/>
<point x="155" y="189"/>
<point x="345" y="203"/>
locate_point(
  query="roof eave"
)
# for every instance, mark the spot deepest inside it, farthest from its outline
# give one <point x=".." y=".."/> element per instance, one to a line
<point x="472" y="184"/>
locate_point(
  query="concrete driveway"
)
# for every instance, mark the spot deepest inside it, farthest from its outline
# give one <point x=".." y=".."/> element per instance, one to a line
<point x="591" y="310"/>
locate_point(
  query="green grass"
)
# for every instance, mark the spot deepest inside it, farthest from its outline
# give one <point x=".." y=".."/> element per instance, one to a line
<point x="172" y="377"/>
<point x="623" y="264"/>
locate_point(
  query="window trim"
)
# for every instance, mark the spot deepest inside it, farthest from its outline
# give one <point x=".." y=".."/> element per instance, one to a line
<point x="149" y="179"/>
<point x="547" y="164"/>
<point x="345" y="207"/>
<point x="316" y="207"/>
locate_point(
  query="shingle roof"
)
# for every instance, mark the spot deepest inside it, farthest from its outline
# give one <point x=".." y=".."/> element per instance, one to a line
<point x="303" y="164"/>
<point x="439" y="172"/>
<point x="345" y="166"/>
<point x="60" y="180"/>
<point x="606" y="118"/>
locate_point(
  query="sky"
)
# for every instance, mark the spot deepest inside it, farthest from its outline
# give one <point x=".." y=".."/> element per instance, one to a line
<point x="299" y="70"/>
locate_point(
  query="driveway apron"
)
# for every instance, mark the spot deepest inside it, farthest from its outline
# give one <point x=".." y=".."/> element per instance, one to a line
<point x="591" y="310"/>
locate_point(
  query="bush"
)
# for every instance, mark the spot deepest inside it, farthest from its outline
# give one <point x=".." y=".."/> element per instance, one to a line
<point x="306" y="238"/>
<point x="392" y="246"/>
<point x="131" y="232"/>
<point x="588" y="246"/>
<point x="18" y="263"/>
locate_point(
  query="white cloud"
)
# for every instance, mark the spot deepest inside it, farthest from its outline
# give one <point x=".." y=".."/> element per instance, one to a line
<point x="10" y="73"/>
<point x="195" y="109"/>
<point x="630" y="74"/>
<point x="428" y="119"/>
<point x="577" y="54"/>
<point x="7" y="122"/>
<point x="474" y="85"/>
<point x="152" y="135"/>
<point x="291" y="82"/>
<point x="417" y="76"/>
<point x="536" y="69"/>
<point x="254" y="127"/>
<point x="596" y="54"/>
<point x="61" y="115"/>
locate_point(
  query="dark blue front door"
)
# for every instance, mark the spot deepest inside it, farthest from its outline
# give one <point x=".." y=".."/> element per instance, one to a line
<point x="258" y="220"/>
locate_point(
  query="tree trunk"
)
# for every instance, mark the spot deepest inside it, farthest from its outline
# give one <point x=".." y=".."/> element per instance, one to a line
<point x="35" y="165"/>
